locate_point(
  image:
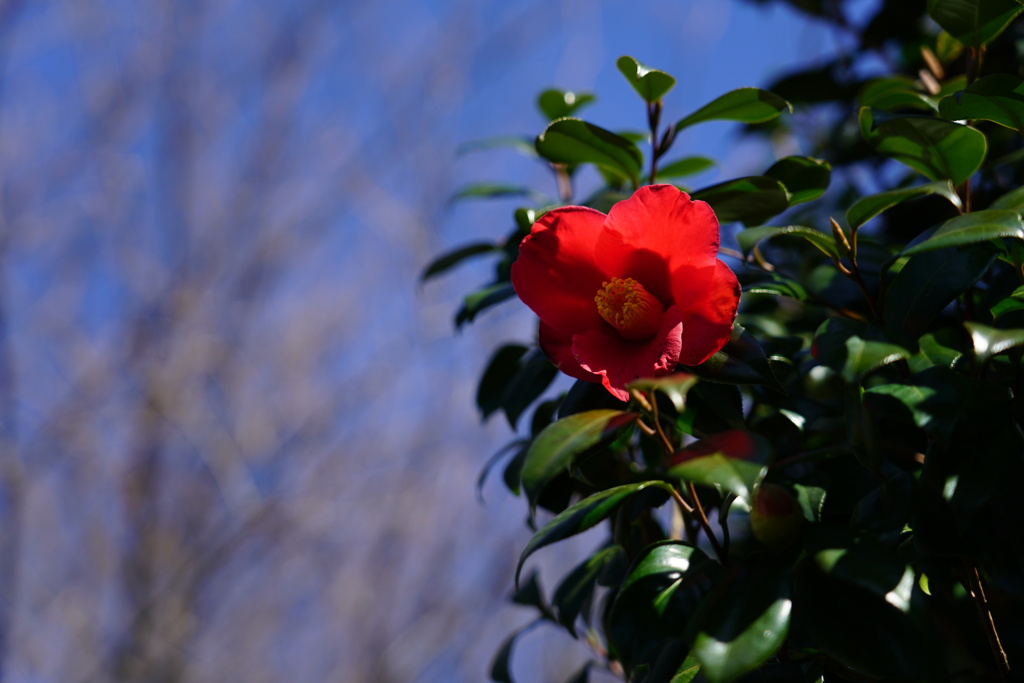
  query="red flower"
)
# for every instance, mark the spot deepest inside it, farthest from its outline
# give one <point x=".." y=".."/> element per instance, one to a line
<point x="630" y="294"/>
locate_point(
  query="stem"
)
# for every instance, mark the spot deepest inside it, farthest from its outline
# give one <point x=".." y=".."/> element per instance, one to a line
<point x="988" y="623"/>
<point x="653" y="119"/>
<point x="719" y="552"/>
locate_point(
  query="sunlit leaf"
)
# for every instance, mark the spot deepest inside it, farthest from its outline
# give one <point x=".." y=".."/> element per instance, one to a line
<point x="749" y="105"/>
<point x="674" y="386"/>
<point x="937" y="148"/>
<point x="1011" y="304"/>
<point x="556" y="104"/>
<point x="651" y="84"/>
<point x="866" y="208"/>
<point x="974" y="22"/>
<point x="972" y="228"/>
<point x="582" y="516"/>
<point x="730" y="464"/>
<point x="893" y="94"/>
<point x="572" y="141"/>
<point x="555" y="448"/>
<point x="998" y="98"/>
<point x="989" y="341"/>
<point x="750" y="237"/>
<point x="778" y="286"/>
<point x="853" y="348"/>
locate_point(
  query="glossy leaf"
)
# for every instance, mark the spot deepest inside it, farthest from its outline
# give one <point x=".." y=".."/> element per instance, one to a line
<point x="555" y="448"/>
<point x="778" y="286"/>
<point x="939" y="149"/>
<point x="989" y="341"/>
<point x="866" y="208"/>
<point x="572" y="141"/>
<point x="651" y="84"/>
<point x="754" y="199"/>
<point x="582" y="516"/>
<point x="674" y="386"/>
<point x="974" y="22"/>
<point x="972" y="228"/>
<point x="577" y="589"/>
<point x="915" y="398"/>
<point x="998" y="98"/>
<point x="556" y="104"/>
<point x="811" y="499"/>
<point x="804" y="178"/>
<point x="893" y="94"/>
<point x="749" y="105"/>
<point x="481" y="300"/>
<point x="688" y="670"/>
<point x="750" y="237"/>
<point x="1011" y="304"/>
<point x="680" y="168"/>
<point x="722" y="471"/>
<point x="927" y="283"/>
<point x="744" y="621"/>
<point x="454" y="258"/>
<point x="854" y="349"/>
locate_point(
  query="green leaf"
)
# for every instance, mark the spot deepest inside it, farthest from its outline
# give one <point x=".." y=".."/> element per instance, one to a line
<point x="939" y="149"/>
<point x="744" y="620"/>
<point x="662" y="590"/>
<point x="688" y="670"/>
<point x="501" y="671"/>
<point x="805" y="178"/>
<point x="534" y="374"/>
<point x="555" y="448"/>
<point x="500" y="370"/>
<point x="754" y="199"/>
<point x="1011" y="304"/>
<point x="650" y="83"/>
<point x="572" y="141"/>
<point x="687" y="166"/>
<point x="915" y="398"/>
<point x="892" y="94"/>
<point x="674" y="386"/>
<point x="989" y="341"/>
<point x="582" y="516"/>
<point x="483" y="299"/>
<point x="972" y="228"/>
<point x="741" y="361"/>
<point x="576" y="590"/>
<point x="811" y="499"/>
<point x="749" y="105"/>
<point x="457" y="256"/>
<point x="722" y="469"/>
<point x="496" y="190"/>
<point x="853" y="348"/>
<point x="927" y="283"/>
<point x="866" y="208"/>
<point x="556" y="104"/>
<point x="974" y="22"/>
<point x="998" y="98"/>
<point x="750" y="237"/>
<point x="778" y="286"/>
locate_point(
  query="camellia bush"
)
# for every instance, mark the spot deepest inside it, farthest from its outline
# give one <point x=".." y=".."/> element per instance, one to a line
<point x="797" y="409"/>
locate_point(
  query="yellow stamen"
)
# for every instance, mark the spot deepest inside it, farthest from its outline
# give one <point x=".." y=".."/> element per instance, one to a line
<point x="629" y="308"/>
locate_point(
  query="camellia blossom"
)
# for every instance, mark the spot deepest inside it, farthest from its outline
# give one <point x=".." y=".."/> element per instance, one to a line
<point x="630" y="294"/>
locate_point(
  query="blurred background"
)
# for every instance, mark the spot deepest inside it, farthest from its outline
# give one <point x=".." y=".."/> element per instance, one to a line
<point x="237" y="436"/>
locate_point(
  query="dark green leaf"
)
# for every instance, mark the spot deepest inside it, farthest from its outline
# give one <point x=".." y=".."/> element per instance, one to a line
<point x="495" y="190"/>
<point x="664" y="587"/>
<point x="680" y="168"/>
<point x="502" y="367"/>
<point x="501" y="671"/>
<point x="453" y="258"/>
<point x="893" y="94"/>
<point x="933" y="353"/>
<point x="687" y="671"/>
<point x="754" y="199"/>
<point x="582" y="516"/>
<point x="556" y="447"/>
<point x="556" y="104"/>
<point x="674" y="386"/>
<point x="972" y="228"/>
<point x="917" y="399"/>
<point x="810" y="499"/>
<point x="778" y="286"/>
<point x="939" y="149"/>
<point x="750" y="237"/>
<point x="1011" y="304"/>
<point x="988" y="341"/>
<point x="741" y="361"/>
<point x="577" y="589"/>
<point x="974" y="22"/>
<point x="650" y="83"/>
<point x="534" y="375"/>
<point x="711" y="408"/>
<point x="998" y="98"/>
<point x="805" y="178"/>
<point x="572" y="141"/>
<point x="853" y="348"/>
<point x="749" y="105"/>
<point x="744" y="620"/>
<point x="483" y="299"/>
<point x="529" y="594"/>
<point x="733" y="463"/>
<point x="866" y="208"/>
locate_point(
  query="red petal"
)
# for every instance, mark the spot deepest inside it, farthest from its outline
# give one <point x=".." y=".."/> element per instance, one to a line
<point x="708" y="299"/>
<point x="558" y="348"/>
<point x="654" y="233"/>
<point x="619" y="362"/>
<point x="556" y="274"/>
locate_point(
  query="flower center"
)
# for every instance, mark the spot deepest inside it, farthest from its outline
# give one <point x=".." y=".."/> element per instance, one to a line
<point x="629" y="308"/>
